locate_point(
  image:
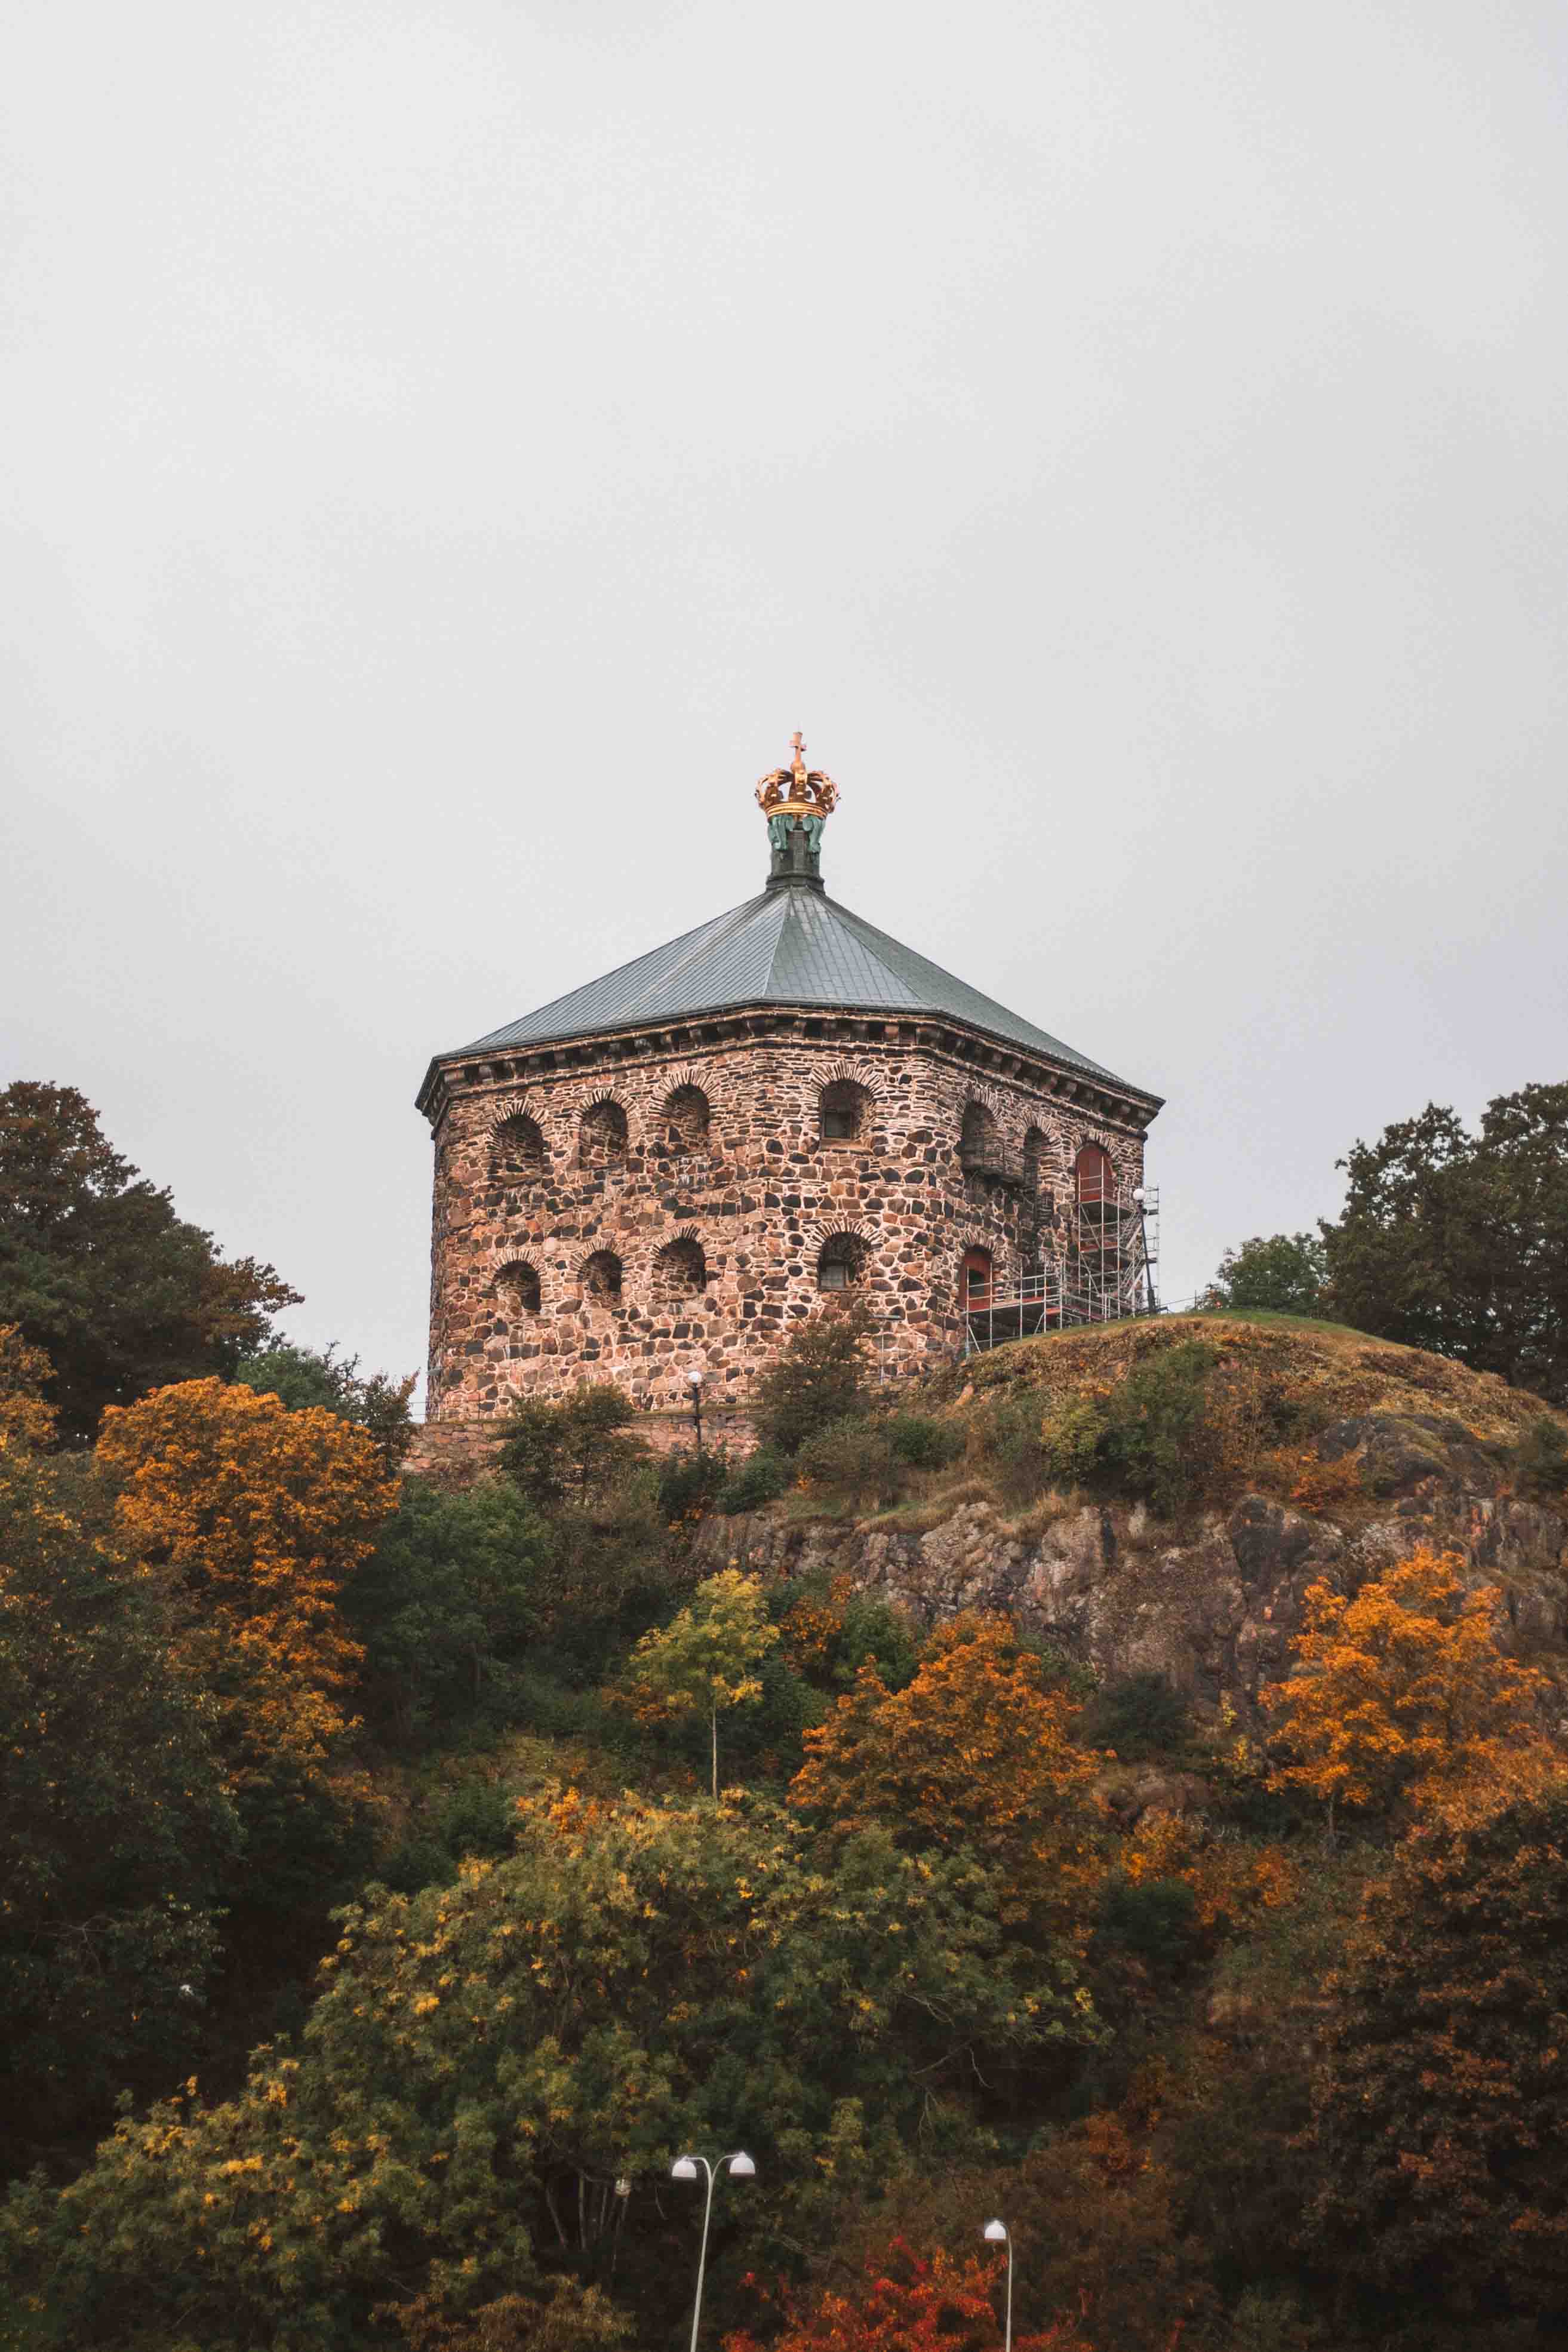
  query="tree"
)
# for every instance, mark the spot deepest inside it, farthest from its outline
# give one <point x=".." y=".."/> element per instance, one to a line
<point x="116" y="1831"/>
<point x="976" y="1754"/>
<point x="910" y="2301"/>
<point x="706" y="1660"/>
<point x="1400" y="1689"/>
<point x="307" y="1376"/>
<point x="486" y="2059"/>
<point x="818" y="1377"/>
<point x="1439" y="2120"/>
<point x="1459" y="1243"/>
<point x="98" y="1270"/>
<point x="456" y="1589"/>
<point x="1282" y="1271"/>
<point x="573" y="1448"/>
<point x="252" y="1516"/>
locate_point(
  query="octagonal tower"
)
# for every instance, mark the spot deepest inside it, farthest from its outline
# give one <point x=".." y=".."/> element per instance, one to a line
<point x="661" y="1172"/>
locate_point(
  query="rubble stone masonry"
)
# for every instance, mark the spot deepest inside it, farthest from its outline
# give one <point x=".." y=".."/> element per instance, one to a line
<point x="641" y="1207"/>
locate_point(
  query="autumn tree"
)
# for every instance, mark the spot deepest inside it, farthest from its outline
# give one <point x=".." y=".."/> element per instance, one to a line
<point x="1459" y="1242"/>
<point x="116" y="1831"/>
<point x="819" y="1376"/>
<point x="1439" y="2115"/>
<point x="910" y="2301"/>
<point x="1400" y="1687"/>
<point x="98" y="1270"/>
<point x="486" y="2059"/>
<point x="975" y="1753"/>
<point x="706" y="1661"/>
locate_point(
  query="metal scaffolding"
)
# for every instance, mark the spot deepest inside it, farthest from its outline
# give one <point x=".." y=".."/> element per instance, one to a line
<point x="1098" y="1266"/>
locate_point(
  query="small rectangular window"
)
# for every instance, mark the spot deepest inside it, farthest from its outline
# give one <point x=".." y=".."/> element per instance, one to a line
<point x="835" y="1276"/>
<point x="837" y="1127"/>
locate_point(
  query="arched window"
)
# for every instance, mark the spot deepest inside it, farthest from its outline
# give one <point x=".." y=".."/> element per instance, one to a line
<point x="1036" y="1147"/>
<point x="517" y="1147"/>
<point x="845" y="1111"/>
<point x="976" y="1280"/>
<point x="980" y="1151"/>
<point x="686" y="1119"/>
<point x="680" y="1271"/>
<point x="1094" y="1174"/>
<point x="602" y="1136"/>
<point x="841" y="1262"/>
<point x="517" y="1291"/>
<point x="602" y="1278"/>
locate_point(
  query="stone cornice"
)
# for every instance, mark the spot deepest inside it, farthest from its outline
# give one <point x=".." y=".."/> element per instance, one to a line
<point x="953" y="1042"/>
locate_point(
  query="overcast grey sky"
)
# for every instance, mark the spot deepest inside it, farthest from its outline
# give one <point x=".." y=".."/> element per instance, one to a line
<point x="445" y="450"/>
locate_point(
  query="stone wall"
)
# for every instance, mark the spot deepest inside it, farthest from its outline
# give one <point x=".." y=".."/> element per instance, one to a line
<point x="702" y="1175"/>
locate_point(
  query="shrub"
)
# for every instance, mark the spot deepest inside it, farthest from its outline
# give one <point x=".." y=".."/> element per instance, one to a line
<point x="760" y="1478"/>
<point x="1540" y="1457"/>
<point x="574" y="1448"/>
<point x="688" y="1481"/>
<point x="1155" y="1919"/>
<point x="924" y="1443"/>
<point x="1159" y="1443"/>
<point x="1137" y="1716"/>
<point x="818" y="1379"/>
<point x="853" y="1462"/>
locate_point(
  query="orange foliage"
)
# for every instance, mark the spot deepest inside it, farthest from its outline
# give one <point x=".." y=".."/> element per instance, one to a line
<point x="252" y="1516"/>
<point x="911" y="2303"/>
<point x="1231" y="1884"/>
<point x="26" y="1422"/>
<point x="810" y="1627"/>
<point x="1404" y="1689"/>
<point x="977" y="1753"/>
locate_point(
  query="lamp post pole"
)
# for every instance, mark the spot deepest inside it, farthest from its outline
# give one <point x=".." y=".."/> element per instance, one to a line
<point x="694" y="1382"/>
<point x="996" y="2233"/>
<point x="741" y="2167"/>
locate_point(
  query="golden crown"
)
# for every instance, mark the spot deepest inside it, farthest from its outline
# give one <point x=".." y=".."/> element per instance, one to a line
<point x="797" y="790"/>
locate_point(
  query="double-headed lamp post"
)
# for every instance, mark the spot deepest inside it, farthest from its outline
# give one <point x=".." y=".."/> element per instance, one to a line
<point x="996" y="2235"/>
<point x="685" y="2168"/>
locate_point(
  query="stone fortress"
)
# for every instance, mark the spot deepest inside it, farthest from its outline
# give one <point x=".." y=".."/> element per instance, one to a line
<point x="658" y="1175"/>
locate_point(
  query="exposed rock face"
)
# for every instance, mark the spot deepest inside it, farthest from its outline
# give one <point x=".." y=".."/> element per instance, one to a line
<point x="1215" y="1602"/>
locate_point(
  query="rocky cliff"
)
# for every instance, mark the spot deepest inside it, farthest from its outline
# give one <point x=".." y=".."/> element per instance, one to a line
<point x="1405" y="1446"/>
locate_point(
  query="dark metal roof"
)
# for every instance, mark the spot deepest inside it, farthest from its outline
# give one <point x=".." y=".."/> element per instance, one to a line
<point x="790" y="945"/>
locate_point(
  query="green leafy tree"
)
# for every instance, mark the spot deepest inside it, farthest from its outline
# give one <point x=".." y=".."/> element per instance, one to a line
<point x="305" y="1377"/>
<point x="821" y="1375"/>
<point x="486" y="2059"/>
<point x="98" y="1270"/>
<point x="116" y="1830"/>
<point x="1439" y="2121"/>
<point x="1283" y="1271"/>
<point x="1459" y="1243"/>
<point x="447" y="1603"/>
<point x="706" y="1661"/>
<point x="572" y="1449"/>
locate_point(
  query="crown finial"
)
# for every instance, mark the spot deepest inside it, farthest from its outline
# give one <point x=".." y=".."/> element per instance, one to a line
<point x="796" y="800"/>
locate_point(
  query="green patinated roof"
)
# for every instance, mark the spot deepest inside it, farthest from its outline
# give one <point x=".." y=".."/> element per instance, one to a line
<point x="790" y="945"/>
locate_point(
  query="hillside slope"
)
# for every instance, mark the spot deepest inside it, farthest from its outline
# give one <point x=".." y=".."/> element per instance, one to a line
<point x="1321" y="1454"/>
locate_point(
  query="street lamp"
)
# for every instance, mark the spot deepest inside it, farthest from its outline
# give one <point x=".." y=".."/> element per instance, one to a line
<point x="996" y="2235"/>
<point x="685" y="2168"/>
<point x="694" y="1382"/>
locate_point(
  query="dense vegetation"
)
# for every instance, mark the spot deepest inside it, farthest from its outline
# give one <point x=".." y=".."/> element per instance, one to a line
<point x="429" y="1867"/>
